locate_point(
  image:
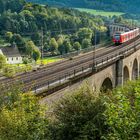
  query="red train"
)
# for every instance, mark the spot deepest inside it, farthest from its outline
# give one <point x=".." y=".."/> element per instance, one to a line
<point x="119" y="38"/>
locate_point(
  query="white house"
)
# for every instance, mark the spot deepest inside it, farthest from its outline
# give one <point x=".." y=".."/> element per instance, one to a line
<point x="12" y="54"/>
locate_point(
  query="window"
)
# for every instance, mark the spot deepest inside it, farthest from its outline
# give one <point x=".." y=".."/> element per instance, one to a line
<point x="117" y="37"/>
<point x="17" y="58"/>
<point x="7" y="59"/>
<point x="12" y="58"/>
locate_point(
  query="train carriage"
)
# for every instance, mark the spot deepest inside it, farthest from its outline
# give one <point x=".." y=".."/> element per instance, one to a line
<point x="121" y="37"/>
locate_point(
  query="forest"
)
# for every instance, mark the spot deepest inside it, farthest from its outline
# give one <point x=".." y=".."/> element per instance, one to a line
<point x="127" y="6"/>
<point x="58" y="30"/>
<point x="55" y="31"/>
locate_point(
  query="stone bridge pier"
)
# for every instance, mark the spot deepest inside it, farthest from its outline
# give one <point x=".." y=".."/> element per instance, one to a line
<point x="118" y="73"/>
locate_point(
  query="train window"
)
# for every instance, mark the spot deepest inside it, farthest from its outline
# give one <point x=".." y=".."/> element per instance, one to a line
<point x="117" y="37"/>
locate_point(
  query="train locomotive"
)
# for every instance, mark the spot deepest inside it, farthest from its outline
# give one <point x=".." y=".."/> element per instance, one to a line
<point x="122" y="37"/>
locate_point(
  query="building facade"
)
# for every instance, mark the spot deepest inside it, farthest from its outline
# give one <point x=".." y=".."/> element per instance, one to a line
<point x="12" y="54"/>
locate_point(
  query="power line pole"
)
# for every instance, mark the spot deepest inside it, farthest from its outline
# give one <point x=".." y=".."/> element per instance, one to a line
<point x="94" y="41"/>
<point x="42" y="42"/>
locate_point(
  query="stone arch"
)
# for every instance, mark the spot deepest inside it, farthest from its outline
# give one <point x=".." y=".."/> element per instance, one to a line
<point x="126" y="75"/>
<point x="106" y="85"/>
<point x="135" y="70"/>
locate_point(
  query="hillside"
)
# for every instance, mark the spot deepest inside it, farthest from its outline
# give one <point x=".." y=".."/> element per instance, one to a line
<point x="107" y="5"/>
<point x="60" y="30"/>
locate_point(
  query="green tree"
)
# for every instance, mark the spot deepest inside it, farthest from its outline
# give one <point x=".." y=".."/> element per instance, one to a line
<point x="2" y="61"/>
<point x="22" y="117"/>
<point x="32" y="50"/>
<point x="20" y="42"/>
<point x="67" y="46"/>
<point x="79" y="117"/>
<point x="86" y="43"/>
<point x="9" y="71"/>
<point x="77" y="46"/>
<point x="60" y="41"/>
<point x="122" y="112"/>
<point x="8" y="36"/>
<point x="36" y="54"/>
<point x="30" y="46"/>
<point x="61" y="48"/>
<point x="84" y="33"/>
<point x="37" y="38"/>
<point x="53" y="45"/>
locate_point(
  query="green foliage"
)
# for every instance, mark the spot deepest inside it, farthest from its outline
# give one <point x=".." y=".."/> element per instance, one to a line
<point x="106" y="5"/>
<point x="79" y="117"/>
<point x="36" y="54"/>
<point x="20" y="42"/>
<point x="2" y="61"/>
<point x="53" y="45"/>
<point x="86" y="43"/>
<point x="25" y="24"/>
<point x="67" y="46"/>
<point x="84" y="33"/>
<point x="111" y="116"/>
<point x="13" y="5"/>
<point x="122" y="112"/>
<point x="64" y="46"/>
<point x="32" y="50"/>
<point x="30" y="46"/>
<point x="77" y="46"/>
<point x="37" y="38"/>
<point x="22" y="117"/>
<point x="25" y="60"/>
<point x="8" y="36"/>
<point x="9" y="71"/>
<point x="60" y="41"/>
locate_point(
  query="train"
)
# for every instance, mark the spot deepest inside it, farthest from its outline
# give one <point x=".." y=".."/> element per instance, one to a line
<point x="122" y="37"/>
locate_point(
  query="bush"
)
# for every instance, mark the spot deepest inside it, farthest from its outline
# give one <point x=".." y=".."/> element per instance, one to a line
<point x="26" y="61"/>
<point x="9" y="71"/>
<point x="122" y="113"/>
<point x="79" y="117"/>
<point x="111" y="116"/>
<point x="22" y="117"/>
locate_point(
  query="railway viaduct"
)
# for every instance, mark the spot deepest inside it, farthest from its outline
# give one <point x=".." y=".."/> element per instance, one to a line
<point x="127" y="67"/>
<point x="104" y="69"/>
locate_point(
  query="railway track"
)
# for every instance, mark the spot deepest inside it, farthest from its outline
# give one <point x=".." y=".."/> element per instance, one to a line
<point x="76" y="67"/>
<point x="52" y="68"/>
<point x="63" y="71"/>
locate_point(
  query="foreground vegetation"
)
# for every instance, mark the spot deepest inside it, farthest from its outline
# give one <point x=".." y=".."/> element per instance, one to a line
<point x="82" y="115"/>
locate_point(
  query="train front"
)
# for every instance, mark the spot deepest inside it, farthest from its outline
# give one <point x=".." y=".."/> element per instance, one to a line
<point x="117" y="38"/>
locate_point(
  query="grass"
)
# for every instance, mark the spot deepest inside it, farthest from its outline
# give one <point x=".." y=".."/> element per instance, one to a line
<point x="11" y="69"/>
<point x="46" y="61"/>
<point x="100" y="12"/>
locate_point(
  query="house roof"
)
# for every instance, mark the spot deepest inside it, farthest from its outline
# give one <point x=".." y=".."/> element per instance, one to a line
<point x="10" y="51"/>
